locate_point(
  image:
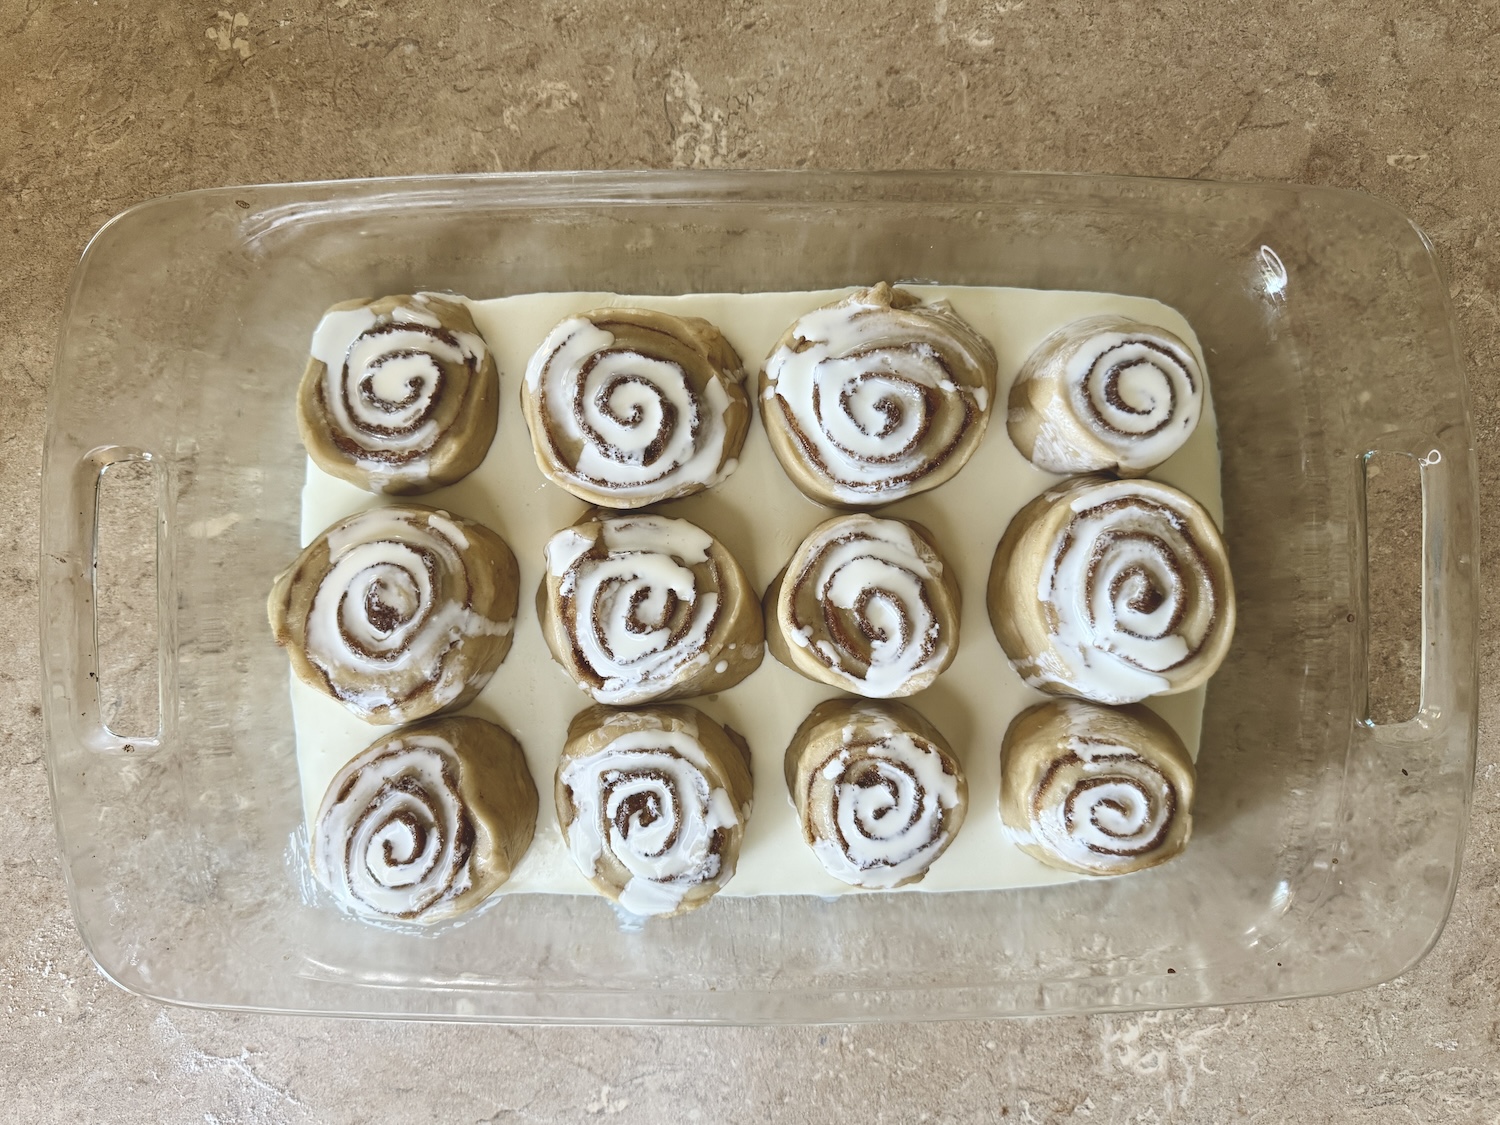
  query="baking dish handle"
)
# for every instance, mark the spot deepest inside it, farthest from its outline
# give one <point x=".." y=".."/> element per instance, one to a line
<point x="78" y="595"/>
<point x="1449" y="585"/>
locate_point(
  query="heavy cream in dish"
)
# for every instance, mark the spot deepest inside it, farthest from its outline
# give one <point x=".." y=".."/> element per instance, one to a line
<point x="761" y="517"/>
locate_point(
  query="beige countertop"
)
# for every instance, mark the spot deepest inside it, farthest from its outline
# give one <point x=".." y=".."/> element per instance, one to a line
<point x="113" y="103"/>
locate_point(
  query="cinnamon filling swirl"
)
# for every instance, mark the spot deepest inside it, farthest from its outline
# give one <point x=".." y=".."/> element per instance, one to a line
<point x="426" y="822"/>
<point x="628" y="406"/>
<point x="642" y="607"/>
<point x="399" y="395"/>
<point x="868" y="605"/>
<point x="1113" y="591"/>
<point x="879" y="793"/>
<point x="876" y="397"/>
<point x="1099" y="790"/>
<point x="652" y="805"/>
<point x="398" y="612"/>
<point x="1122" y="805"/>
<point x="1106" y="393"/>
<point x="1129" y="579"/>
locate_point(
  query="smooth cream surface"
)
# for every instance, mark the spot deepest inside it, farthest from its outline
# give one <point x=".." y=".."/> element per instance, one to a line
<point x="761" y="517"/>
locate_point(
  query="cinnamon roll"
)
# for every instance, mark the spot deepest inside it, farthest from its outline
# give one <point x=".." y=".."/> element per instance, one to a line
<point x="400" y="395"/>
<point x="1097" y="790"/>
<point x="426" y="822"/>
<point x="628" y="407"/>
<point x="878" y="791"/>
<point x="640" y="607"/>
<point x="1106" y="393"/>
<point x="1112" y="591"/>
<point x="867" y="605"/>
<point x="653" y="803"/>
<point x="876" y="397"/>
<point x="398" y="612"/>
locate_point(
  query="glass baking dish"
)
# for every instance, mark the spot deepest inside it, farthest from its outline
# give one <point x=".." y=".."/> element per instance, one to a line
<point x="1326" y="846"/>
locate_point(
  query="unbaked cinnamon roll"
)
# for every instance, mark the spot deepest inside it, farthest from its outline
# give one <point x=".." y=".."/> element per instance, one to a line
<point x="639" y="607"/>
<point x="628" y="407"/>
<point x="876" y="397"/>
<point x="653" y="803"/>
<point x="1097" y="790"/>
<point x="867" y="605"/>
<point x="398" y="612"/>
<point x="426" y="822"/>
<point x="878" y="791"/>
<point x="400" y="394"/>
<point x="1113" y="591"/>
<point x="1106" y="393"/>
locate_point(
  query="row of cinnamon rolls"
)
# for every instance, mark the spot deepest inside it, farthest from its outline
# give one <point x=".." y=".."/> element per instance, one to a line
<point x="866" y="401"/>
<point x="653" y="802"/>
<point x="1107" y="590"/>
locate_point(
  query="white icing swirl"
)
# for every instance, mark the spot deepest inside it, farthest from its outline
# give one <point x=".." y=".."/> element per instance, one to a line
<point x="636" y="613"/>
<point x="385" y="378"/>
<point x="1100" y="806"/>
<point x="887" y="795"/>
<point x="646" y="799"/>
<point x="393" y="838"/>
<point x="859" y="599"/>
<point x="622" y="422"/>
<point x="1106" y="393"/>
<point x="875" y="408"/>
<point x="1130" y="592"/>
<point x="382" y="626"/>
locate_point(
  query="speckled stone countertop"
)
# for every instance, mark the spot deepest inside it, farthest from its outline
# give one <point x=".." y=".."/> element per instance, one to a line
<point x="112" y="103"/>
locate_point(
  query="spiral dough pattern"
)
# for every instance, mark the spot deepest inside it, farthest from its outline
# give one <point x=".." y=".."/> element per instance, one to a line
<point x="1113" y="591"/>
<point x="649" y="809"/>
<point x="1106" y="393"/>
<point x="396" y="839"/>
<point x="628" y="406"/>
<point x="400" y="394"/>
<point x="1094" y="789"/>
<point x="866" y="605"/>
<point x="879" y="793"/>
<point x="398" y="612"/>
<point x="876" y="397"/>
<point x="642" y="607"/>
<point x="410" y="831"/>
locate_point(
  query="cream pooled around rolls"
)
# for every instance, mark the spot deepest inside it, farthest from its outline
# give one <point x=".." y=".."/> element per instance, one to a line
<point x="876" y="397"/>
<point x="1096" y="790"/>
<point x="630" y="407"/>
<point x="400" y="395"/>
<point x="877" y="789"/>
<point x="639" y="607"/>
<point x="426" y="822"/>
<point x="1106" y="393"/>
<point x="867" y="605"/>
<point x="397" y="612"/>
<point x="1112" y="590"/>
<point x="652" y="804"/>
